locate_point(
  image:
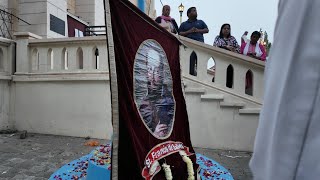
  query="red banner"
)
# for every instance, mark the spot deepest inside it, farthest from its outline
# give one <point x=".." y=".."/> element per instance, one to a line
<point x="153" y="120"/>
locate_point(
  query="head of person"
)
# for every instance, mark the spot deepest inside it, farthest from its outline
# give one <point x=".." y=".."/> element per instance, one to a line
<point x="255" y="36"/>
<point x="192" y="13"/>
<point x="225" y="31"/>
<point x="166" y="10"/>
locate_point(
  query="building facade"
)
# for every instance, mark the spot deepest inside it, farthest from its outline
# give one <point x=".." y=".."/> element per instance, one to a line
<point x="58" y="18"/>
<point x="50" y="18"/>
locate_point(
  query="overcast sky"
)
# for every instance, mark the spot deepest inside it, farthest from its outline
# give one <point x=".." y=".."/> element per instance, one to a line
<point x="244" y="15"/>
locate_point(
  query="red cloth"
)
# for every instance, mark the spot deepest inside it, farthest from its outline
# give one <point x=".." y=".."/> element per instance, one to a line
<point x="130" y="28"/>
<point x="74" y="24"/>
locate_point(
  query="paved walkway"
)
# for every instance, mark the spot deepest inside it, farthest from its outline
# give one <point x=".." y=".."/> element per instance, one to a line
<point x="38" y="156"/>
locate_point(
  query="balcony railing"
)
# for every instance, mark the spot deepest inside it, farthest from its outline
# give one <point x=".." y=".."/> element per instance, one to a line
<point x="95" y="31"/>
<point x="229" y="72"/>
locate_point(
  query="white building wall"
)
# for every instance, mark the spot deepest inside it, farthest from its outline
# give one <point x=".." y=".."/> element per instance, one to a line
<point x="99" y="13"/>
<point x="86" y="11"/>
<point x="34" y="12"/>
<point x="70" y="108"/>
<point x="57" y="8"/>
<point x="7" y="56"/>
<point x="4" y="104"/>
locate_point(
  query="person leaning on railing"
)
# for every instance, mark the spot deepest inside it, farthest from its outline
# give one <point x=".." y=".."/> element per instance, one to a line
<point x="253" y="48"/>
<point x="166" y="21"/>
<point x="225" y="40"/>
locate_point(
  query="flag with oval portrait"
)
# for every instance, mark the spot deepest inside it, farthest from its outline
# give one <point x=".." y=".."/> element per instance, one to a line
<point x="153" y="120"/>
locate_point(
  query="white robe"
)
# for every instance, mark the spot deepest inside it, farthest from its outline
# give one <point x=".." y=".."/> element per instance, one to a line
<point x="287" y="145"/>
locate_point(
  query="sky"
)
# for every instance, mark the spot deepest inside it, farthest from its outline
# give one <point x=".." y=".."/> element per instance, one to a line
<point x="242" y="15"/>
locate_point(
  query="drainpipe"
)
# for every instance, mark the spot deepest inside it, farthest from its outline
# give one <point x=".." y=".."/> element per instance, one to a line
<point x="141" y="5"/>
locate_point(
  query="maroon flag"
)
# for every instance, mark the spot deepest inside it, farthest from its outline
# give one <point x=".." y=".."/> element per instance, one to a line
<point x="153" y="120"/>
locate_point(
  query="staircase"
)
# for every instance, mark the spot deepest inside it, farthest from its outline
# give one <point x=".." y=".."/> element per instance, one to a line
<point x="221" y="117"/>
<point x="220" y="120"/>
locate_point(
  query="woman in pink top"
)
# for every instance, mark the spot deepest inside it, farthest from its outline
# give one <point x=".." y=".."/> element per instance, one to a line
<point x="254" y="48"/>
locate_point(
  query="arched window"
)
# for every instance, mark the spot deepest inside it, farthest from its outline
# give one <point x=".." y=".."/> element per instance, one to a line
<point x="79" y="60"/>
<point x="50" y="59"/>
<point x="64" y="59"/>
<point x="1" y="60"/>
<point x="249" y="83"/>
<point x="211" y="68"/>
<point x="95" y="62"/>
<point x="35" y="60"/>
<point x="193" y="64"/>
<point x="229" y="82"/>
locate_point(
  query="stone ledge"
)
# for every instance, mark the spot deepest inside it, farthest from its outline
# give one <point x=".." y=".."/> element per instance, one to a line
<point x="217" y="97"/>
<point x="195" y="90"/>
<point x="61" y="77"/>
<point x="232" y="104"/>
<point x="252" y="111"/>
<point x="5" y="77"/>
<point x="26" y="35"/>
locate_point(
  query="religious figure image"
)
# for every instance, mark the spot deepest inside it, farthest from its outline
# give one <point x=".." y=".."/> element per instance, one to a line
<point x="153" y="89"/>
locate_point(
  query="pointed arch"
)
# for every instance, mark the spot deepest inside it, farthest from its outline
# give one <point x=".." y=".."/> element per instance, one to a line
<point x="50" y="64"/>
<point x="35" y="62"/>
<point x="193" y="64"/>
<point x="64" y="59"/>
<point x="95" y="59"/>
<point x="249" y="83"/>
<point x="211" y="68"/>
<point x="229" y="79"/>
<point x="79" y="60"/>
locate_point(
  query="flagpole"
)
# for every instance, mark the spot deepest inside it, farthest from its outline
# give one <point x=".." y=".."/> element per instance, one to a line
<point x="113" y="92"/>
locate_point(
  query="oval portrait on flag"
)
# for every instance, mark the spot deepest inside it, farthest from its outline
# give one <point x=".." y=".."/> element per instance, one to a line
<point x="153" y="89"/>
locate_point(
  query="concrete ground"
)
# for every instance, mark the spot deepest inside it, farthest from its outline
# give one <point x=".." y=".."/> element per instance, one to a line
<point x="38" y="156"/>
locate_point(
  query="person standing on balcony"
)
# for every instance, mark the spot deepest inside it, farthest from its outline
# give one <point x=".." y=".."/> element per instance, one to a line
<point x="225" y="40"/>
<point x="166" y="21"/>
<point x="253" y="48"/>
<point x="288" y="137"/>
<point x="244" y="38"/>
<point x="193" y="28"/>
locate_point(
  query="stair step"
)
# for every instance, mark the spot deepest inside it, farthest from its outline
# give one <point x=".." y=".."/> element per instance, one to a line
<point x="232" y="104"/>
<point x="250" y="111"/>
<point x="218" y="97"/>
<point x="195" y="90"/>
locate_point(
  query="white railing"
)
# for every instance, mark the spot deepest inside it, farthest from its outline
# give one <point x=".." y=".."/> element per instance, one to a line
<point x="67" y="56"/>
<point x="62" y="86"/>
<point x="7" y="57"/>
<point x="231" y="71"/>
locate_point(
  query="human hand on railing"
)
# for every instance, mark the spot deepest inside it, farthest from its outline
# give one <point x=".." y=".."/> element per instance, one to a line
<point x="231" y="48"/>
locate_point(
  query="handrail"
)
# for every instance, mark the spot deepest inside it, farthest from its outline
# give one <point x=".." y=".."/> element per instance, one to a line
<point x="209" y="49"/>
<point x="69" y="40"/>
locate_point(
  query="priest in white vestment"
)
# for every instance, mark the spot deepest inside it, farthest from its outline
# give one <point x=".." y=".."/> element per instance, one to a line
<point x="287" y="145"/>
